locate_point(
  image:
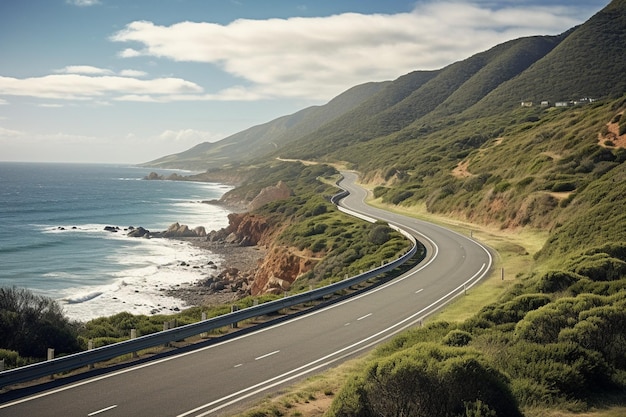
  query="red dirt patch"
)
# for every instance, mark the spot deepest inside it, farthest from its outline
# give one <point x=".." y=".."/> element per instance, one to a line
<point x="619" y="141"/>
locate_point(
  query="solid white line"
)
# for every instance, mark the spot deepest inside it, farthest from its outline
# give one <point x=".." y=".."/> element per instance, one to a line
<point x="324" y="361"/>
<point x="364" y="317"/>
<point x="102" y="411"/>
<point x="266" y="355"/>
<point x="408" y="322"/>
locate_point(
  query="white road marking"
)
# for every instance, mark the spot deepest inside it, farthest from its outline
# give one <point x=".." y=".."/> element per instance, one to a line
<point x="419" y="291"/>
<point x="325" y="361"/>
<point x="302" y="370"/>
<point x="266" y="355"/>
<point x="102" y="411"/>
<point x="238" y="365"/>
<point x="364" y="317"/>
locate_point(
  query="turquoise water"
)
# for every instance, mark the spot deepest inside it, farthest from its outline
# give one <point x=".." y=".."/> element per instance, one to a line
<point x="52" y="237"/>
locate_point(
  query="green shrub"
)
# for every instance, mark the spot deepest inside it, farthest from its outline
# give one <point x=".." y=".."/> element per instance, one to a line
<point x="10" y="357"/>
<point x="563" y="370"/>
<point x="457" y="338"/>
<point x="563" y="186"/>
<point x="514" y="310"/>
<point x="555" y="281"/>
<point x="602" y="329"/>
<point x="380" y="234"/>
<point x="599" y="267"/>
<point x="425" y="380"/>
<point x="30" y="324"/>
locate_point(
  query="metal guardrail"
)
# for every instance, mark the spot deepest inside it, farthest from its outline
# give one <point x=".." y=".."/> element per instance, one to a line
<point x="81" y="359"/>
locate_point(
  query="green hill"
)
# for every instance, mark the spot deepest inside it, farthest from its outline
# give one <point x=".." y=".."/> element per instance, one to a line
<point x="588" y="63"/>
<point x="458" y="142"/>
<point x="265" y="138"/>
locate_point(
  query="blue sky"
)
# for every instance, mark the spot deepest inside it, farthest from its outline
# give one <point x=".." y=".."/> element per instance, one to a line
<point x="127" y="81"/>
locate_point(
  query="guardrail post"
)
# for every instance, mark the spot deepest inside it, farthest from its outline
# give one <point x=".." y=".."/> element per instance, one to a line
<point x="234" y="308"/>
<point x="90" y="347"/>
<point x="502" y="274"/>
<point x="465" y="289"/>
<point x="70" y="362"/>
<point x="204" y="335"/>
<point x="50" y="357"/>
<point x="166" y="326"/>
<point x="133" y="335"/>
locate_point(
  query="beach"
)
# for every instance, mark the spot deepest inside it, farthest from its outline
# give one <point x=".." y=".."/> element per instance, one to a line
<point x="232" y="273"/>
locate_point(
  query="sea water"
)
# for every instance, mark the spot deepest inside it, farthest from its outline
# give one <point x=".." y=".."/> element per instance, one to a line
<point x="53" y="239"/>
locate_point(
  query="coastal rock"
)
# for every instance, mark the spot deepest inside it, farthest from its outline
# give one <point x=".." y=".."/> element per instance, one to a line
<point x="244" y="229"/>
<point x="139" y="232"/>
<point x="153" y="176"/>
<point x="178" y="230"/>
<point x="276" y="192"/>
<point x="112" y="229"/>
<point x="175" y="231"/>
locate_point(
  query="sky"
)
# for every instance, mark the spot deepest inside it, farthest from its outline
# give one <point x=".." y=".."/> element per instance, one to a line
<point x="129" y="81"/>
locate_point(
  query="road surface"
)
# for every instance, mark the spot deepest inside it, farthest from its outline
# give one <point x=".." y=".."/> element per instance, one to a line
<point x="226" y="376"/>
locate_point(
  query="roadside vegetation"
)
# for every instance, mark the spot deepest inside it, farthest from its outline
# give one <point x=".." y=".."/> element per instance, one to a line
<point x="340" y="245"/>
<point x="544" y="185"/>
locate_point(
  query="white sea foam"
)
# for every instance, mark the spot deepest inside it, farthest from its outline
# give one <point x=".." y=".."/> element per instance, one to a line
<point x="148" y="271"/>
<point x="143" y="270"/>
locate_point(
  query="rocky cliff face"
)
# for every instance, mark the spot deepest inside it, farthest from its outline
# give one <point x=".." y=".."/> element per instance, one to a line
<point x="281" y="265"/>
<point x="280" y="268"/>
<point x="279" y="191"/>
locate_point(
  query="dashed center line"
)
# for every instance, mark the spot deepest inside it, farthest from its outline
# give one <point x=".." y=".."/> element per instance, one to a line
<point x="364" y="317"/>
<point x="102" y="410"/>
<point x="419" y="291"/>
<point x="266" y="355"/>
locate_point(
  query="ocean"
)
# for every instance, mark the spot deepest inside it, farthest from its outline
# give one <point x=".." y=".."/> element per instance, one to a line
<point x="53" y="239"/>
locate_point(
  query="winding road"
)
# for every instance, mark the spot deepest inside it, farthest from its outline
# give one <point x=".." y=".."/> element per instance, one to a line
<point x="223" y="377"/>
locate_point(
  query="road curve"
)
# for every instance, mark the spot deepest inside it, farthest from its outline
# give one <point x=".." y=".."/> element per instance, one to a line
<point x="226" y="375"/>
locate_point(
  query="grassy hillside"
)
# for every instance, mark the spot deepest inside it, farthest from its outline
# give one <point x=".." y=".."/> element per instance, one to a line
<point x="259" y="140"/>
<point x="588" y="63"/>
<point x="457" y="142"/>
<point x="441" y="92"/>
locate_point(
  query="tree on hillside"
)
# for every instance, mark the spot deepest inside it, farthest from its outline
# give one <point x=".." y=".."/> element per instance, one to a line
<point x="30" y="324"/>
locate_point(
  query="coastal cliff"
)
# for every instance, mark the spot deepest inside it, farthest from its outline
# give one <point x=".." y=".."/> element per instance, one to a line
<point x="280" y="266"/>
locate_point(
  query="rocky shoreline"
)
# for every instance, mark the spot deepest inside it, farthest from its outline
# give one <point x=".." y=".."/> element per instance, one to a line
<point x="231" y="280"/>
<point x="233" y="276"/>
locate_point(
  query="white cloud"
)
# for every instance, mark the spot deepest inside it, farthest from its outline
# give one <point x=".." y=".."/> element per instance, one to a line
<point x="133" y="73"/>
<point x="9" y="133"/>
<point x="190" y="136"/>
<point x="83" y="3"/>
<point x="129" y="53"/>
<point x="51" y="105"/>
<point x="319" y="57"/>
<point x="84" y="87"/>
<point x="84" y="69"/>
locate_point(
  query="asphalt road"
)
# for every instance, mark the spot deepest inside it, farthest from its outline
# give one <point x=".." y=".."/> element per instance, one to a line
<point x="225" y="376"/>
